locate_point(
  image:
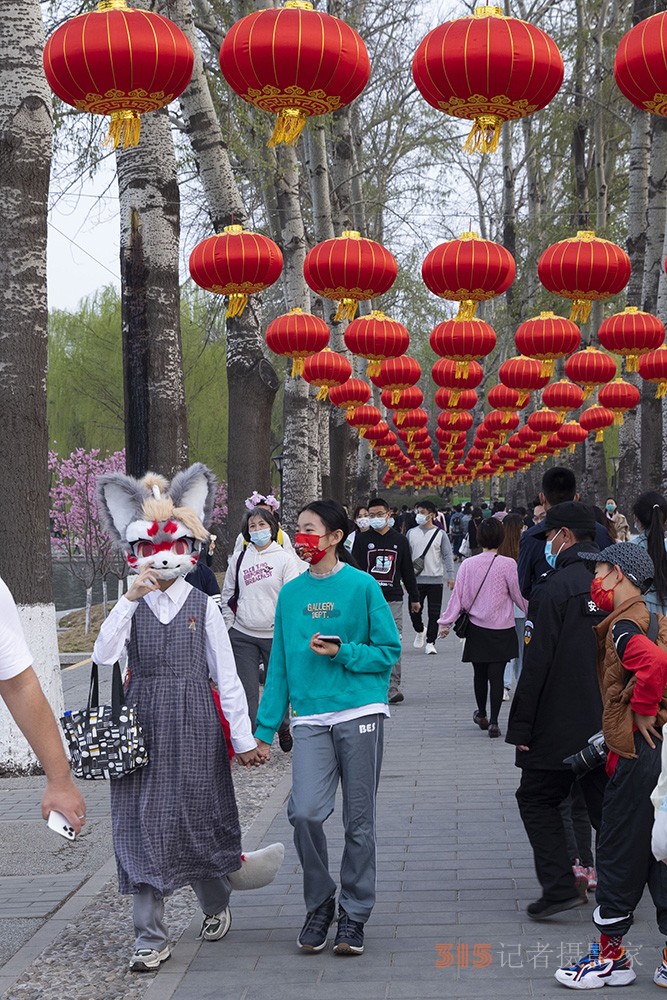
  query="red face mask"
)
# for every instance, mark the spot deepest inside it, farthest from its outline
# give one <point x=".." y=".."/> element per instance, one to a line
<point x="308" y="548"/>
<point x="603" y="598"/>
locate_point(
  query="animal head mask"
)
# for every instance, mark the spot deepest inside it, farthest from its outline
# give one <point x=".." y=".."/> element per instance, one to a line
<point x="157" y="523"/>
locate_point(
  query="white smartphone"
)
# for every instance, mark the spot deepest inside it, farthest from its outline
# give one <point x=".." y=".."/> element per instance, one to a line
<point x="335" y="639"/>
<point x="59" y="824"/>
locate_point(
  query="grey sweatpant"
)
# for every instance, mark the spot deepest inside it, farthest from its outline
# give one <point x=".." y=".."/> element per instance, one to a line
<point x="395" y="679"/>
<point x="349" y="752"/>
<point x="148" y="909"/>
<point x="249" y="651"/>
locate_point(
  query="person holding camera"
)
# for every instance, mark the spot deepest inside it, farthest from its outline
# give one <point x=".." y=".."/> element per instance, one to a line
<point x="557" y="705"/>
<point x="632" y="666"/>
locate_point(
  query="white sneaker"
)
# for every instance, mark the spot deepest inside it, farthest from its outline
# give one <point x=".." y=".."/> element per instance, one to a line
<point x="147" y="959"/>
<point x="430" y="647"/>
<point x="215" y="926"/>
<point x="419" y="640"/>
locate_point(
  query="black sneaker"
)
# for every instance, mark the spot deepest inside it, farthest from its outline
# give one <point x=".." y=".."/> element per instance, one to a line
<point x="285" y="740"/>
<point x="313" y="936"/>
<point x="543" y="908"/>
<point x="349" y="936"/>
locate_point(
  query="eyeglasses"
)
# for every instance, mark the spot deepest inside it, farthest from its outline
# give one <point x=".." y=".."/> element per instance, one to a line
<point x="179" y="546"/>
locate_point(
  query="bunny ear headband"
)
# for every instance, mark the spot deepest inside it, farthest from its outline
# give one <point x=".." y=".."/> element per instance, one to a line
<point x="257" y="498"/>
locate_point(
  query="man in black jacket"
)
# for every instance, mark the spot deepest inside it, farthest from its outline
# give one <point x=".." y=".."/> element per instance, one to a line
<point x="557" y="705"/>
<point x="559" y="485"/>
<point x="385" y="554"/>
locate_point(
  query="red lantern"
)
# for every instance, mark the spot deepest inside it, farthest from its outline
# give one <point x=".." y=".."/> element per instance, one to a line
<point x="562" y="396"/>
<point x="120" y="62"/>
<point x="572" y="434"/>
<point x="294" y="62"/>
<point x="547" y="337"/>
<point x="544" y="422"/>
<point x="488" y="68"/>
<point x="414" y="420"/>
<point x="590" y="368"/>
<point x="596" y="419"/>
<point x="653" y="368"/>
<point x="237" y="264"/>
<point x="586" y="269"/>
<point x="468" y="270"/>
<point x="640" y="67"/>
<point x="455" y="421"/>
<point x="631" y="333"/>
<point x="326" y="369"/>
<point x="377" y="433"/>
<point x="620" y="397"/>
<point x="351" y="270"/>
<point x="524" y="375"/>
<point x="396" y="374"/>
<point x="501" y="424"/>
<point x="364" y="417"/>
<point x="450" y="399"/>
<point x="530" y="439"/>
<point x="463" y="341"/>
<point x="407" y="399"/>
<point x="297" y="334"/>
<point x="445" y="374"/>
<point x="376" y="337"/>
<point x="351" y="394"/>
<point x="507" y="400"/>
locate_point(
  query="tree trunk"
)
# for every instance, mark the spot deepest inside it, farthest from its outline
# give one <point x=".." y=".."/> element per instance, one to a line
<point x="26" y="129"/>
<point x="155" y="417"/>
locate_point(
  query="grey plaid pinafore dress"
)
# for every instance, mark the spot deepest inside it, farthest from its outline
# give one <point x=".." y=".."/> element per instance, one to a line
<point x="174" y="820"/>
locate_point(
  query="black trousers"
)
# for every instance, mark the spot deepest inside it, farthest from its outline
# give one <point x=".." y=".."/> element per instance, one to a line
<point x="624" y="860"/>
<point x="488" y="682"/>
<point x="539" y="796"/>
<point x="431" y="592"/>
<point x="578" y="830"/>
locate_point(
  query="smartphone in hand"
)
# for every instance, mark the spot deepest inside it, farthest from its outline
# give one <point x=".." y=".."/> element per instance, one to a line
<point x="335" y="639"/>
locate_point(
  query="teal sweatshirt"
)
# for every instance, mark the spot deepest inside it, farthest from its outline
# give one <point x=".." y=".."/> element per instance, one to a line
<point x="349" y="604"/>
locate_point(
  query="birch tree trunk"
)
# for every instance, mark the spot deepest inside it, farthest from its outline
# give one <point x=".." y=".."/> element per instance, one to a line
<point x="251" y="380"/>
<point x="155" y="418"/>
<point x="26" y="129"/>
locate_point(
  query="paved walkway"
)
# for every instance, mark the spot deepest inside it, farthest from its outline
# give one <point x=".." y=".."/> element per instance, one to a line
<point x="455" y="874"/>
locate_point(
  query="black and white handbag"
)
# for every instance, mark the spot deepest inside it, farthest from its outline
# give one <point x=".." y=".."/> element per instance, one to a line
<point x="105" y="741"/>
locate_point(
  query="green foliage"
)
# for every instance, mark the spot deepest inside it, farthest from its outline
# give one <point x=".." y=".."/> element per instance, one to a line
<point x="85" y="377"/>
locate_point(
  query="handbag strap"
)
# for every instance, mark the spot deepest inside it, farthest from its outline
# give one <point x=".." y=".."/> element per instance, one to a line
<point x="430" y="543"/>
<point x="94" y="689"/>
<point x="652" y="631"/>
<point x="482" y="583"/>
<point x="237" y="583"/>
<point x="117" y="693"/>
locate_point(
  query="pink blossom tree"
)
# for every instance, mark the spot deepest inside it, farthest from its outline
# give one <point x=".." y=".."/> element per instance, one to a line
<point x="76" y="531"/>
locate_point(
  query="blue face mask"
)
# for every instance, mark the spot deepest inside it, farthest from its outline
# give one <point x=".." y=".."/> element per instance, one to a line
<point x="261" y="538"/>
<point x="378" y="523"/>
<point x="549" y="554"/>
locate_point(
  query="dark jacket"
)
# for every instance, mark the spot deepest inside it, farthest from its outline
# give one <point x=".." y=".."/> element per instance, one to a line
<point x="204" y="579"/>
<point x="533" y="565"/>
<point x="557" y="704"/>
<point x="388" y="560"/>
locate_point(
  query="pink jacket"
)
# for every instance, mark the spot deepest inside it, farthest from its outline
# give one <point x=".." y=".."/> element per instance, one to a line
<point x="494" y="605"/>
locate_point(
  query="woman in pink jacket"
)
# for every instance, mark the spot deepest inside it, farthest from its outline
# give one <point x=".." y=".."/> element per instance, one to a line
<point x="487" y="587"/>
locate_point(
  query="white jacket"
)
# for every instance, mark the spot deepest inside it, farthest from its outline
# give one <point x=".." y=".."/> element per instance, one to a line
<point x="439" y="561"/>
<point x="659" y="800"/>
<point x="261" y="577"/>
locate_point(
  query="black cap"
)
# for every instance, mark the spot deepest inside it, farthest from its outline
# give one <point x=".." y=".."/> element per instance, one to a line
<point x="573" y="515"/>
<point x="636" y="564"/>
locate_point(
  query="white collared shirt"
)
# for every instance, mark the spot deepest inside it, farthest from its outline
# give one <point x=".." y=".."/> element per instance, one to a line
<point x="165" y="605"/>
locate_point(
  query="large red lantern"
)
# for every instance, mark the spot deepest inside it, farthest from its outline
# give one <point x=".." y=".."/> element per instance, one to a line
<point x="586" y="269"/>
<point x="488" y="68"/>
<point x="349" y="269"/>
<point x="376" y="338"/>
<point x="589" y="368"/>
<point x="524" y="375"/>
<point x="413" y="421"/>
<point x="364" y="417"/>
<point x="294" y="62"/>
<point x="120" y="62"/>
<point x="297" y="334"/>
<point x="653" y="368"/>
<point x="506" y="400"/>
<point x="562" y="396"/>
<point x="572" y="434"/>
<point x="463" y="341"/>
<point x="468" y="270"/>
<point x="326" y="369"/>
<point x="448" y="420"/>
<point x="544" y="422"/>
<point x="236" y="263"/>
<point x="396" y="374"/>
<point x="631" y="333"/>
<point x="378" y="433"/>
<point x="547" y="337"/>
<point x="445" y="373"/>
<point x="451" y="399"/>
<point x="351" y="394"/>
<point x="640" y="67"/>
<point x="596" y="419"/>
<point x="500" y="424"/>
<point x="620" y="397"/>
<point x="401" y="400"/>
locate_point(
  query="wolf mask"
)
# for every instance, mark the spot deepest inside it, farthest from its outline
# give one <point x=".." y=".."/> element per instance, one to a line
<point x="157" y="523"/>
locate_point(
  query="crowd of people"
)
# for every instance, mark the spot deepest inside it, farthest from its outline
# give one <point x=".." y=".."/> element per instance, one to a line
<point x="561" y="609"/>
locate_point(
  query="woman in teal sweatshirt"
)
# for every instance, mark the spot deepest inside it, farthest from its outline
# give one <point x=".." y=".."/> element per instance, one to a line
<point x="337" y="688"/>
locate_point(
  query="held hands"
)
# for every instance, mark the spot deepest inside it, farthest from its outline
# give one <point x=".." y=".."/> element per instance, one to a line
<point x="450" y="584"/>
<point x="144" y="583"/>
<point x="646" y="726"/>
<point x="251" y="758"/>
<point x="323" y="648"/>
<point x="264" y="749"/>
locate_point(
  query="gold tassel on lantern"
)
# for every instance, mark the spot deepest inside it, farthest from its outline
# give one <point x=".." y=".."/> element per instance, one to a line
<point x="632" y="363"/>
<point x="288" y="128"/>
<point x="467" y="310"/>
<point x="399" y="416"/>
<point x="236" y="303"/>
<point x="462" y="368"/>
<point x="323" y="393"/>
<point x="484" y="135"/>
<point x="618" y="418"/>
<point x="599" y="437"/>
<point x="662" y="390"/>
<point x="547" y="367"/>
<point x="373" y="368"/>
<point x="581" y="310"/>
<point x="124" y="129"/>
<point x="298" y="365"/>
<point x="395" y="397"/>
<point x="588" y="390"/>
<point x="347" y="309"/>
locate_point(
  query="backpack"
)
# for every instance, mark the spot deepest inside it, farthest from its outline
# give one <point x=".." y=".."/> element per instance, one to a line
<point x="456" y="524"/>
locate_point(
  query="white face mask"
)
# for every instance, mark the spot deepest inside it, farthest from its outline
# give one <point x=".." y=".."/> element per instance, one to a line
<point x="391" y="522"/>
<point x="421" y="518"/>
<point x="363" y="523"/>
